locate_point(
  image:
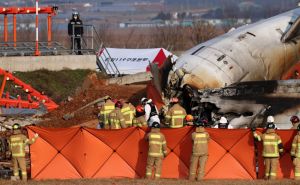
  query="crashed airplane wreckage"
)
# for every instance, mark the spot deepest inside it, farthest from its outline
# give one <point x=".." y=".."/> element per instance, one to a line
<point x="237" y="74"/>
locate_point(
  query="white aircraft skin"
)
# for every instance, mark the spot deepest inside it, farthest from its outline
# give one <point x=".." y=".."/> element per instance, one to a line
<point x="249" y="53"/>
<point x="256" y="52"/>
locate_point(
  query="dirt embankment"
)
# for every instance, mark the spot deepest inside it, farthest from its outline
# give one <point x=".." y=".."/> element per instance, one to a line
<point x="91" y="90"/>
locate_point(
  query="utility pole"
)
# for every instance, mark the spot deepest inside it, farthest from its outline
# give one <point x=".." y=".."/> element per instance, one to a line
<point x="37" y="52"/>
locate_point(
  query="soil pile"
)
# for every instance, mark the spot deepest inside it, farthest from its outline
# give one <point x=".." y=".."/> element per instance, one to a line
<point x="92" y="89"/>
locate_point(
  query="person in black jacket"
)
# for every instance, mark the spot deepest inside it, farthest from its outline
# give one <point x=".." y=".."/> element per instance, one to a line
<point x="75" y="30"/>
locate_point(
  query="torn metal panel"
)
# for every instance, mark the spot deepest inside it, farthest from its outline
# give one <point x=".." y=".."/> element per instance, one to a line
<point x="255" y="99"/>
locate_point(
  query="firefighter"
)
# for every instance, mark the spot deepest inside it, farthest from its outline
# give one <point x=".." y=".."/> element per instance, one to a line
<point x="17" y="143"/>
<point x="295" y="153"/>
<point x="175" y="115"/>
<point x="200" y="152"/>
<point x="151" y="112"/>
<point x="75" y="31"/>
<point x="223" y="124"/>
<point x="272" y="148"/>
<point x="157" y="151"/>
<point x="115" y="118"/>
<point x="128" y="111"/>
<point x="139" y="120"/>
<point x="295" y="122"/>
<point x="105" y="110"/>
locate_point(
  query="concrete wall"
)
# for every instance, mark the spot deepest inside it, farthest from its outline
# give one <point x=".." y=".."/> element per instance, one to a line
<point x="51" y="63"/>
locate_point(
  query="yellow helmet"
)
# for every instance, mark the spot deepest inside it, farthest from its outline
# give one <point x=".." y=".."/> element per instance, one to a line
<point x="16" y="126"/>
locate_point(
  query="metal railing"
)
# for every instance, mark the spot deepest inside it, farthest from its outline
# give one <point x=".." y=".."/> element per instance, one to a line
<point x="106" y="63"/>
<point x="28" y="48"/>
<point x="91" y="42"/>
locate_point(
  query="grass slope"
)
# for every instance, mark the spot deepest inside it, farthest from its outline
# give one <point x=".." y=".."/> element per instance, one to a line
<point x="56" y="84"/>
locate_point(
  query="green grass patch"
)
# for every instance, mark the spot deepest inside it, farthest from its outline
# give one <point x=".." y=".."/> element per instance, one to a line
<point x="58" y="85"/>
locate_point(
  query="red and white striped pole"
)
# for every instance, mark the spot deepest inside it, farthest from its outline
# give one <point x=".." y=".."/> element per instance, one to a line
<point x="37" y="52"/>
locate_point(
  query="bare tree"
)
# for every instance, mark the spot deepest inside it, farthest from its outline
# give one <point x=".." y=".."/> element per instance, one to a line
<point x="202" y="31"/>
<point x="104" y="33"/>
<point x="129" y="37"/>
<point x="170" y="37"/>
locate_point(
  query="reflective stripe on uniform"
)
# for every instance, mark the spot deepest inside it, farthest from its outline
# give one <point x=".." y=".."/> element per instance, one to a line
<point x="297" y="152"/>
<point x="269" y="137"/>
<point x="106" y="111"/>
<point x="21" y="152"/>
<point x="270" y="154"/>
<point x="155" y="136"/>
<point x="297" y="174"/>
<point x="200" y="142"/>
<point x="15" y="139"/>
<point x="176" y="126"/>
<point x="270" y="143"/>
<point x="125" y="109"/>
<point x="178" y="112"/>
<point x="109" y="107"/>
<point x="155" y="154"/>
<point x="157" y="175"/>
<point x="273" y="174"/>
<point x="200" y="136"/>
<point x="156" y="142"/>
<point x="178" y="116"/>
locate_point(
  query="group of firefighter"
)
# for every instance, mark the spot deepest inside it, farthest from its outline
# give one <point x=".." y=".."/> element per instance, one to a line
<point x="118" y="114"/>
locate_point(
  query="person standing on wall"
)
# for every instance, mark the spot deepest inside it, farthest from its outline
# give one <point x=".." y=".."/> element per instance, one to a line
<point x="75" y="31"/>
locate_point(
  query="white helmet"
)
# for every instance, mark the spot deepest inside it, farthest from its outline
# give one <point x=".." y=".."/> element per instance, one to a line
<point x="144" y="100"/>
<point x="270" y="119"/>
<point x="223" y="120"/>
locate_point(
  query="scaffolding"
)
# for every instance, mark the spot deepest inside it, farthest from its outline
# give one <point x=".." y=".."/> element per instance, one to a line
<point x="14" y="11"/>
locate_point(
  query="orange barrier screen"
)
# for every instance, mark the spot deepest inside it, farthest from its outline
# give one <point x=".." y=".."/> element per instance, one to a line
<point x="89" y="153"/>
